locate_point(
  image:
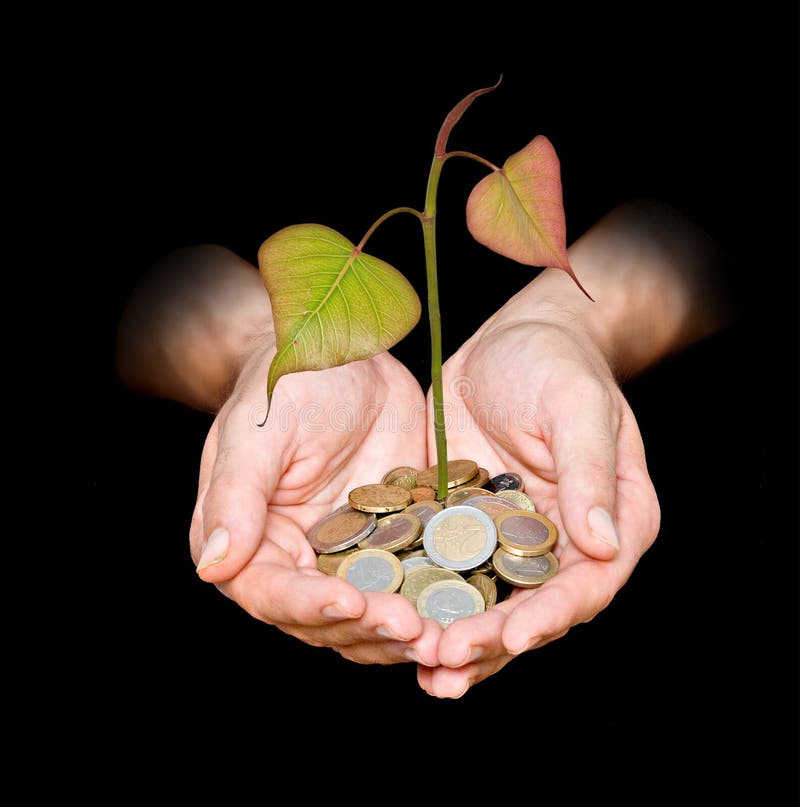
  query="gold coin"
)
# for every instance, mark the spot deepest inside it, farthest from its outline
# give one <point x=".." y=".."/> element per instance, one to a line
<point x="379" y="498"/>
<point x="477" y="482"/>
<point x="403" y="475"/>
<point x="458" y="472"/>
<point x="459" y="495"/>
<point x="449" y="600"/>
<point x="418" y="579"/>
<point x="522" y="532"/>
<point x="522" y="500"/>
<point x="524" y="572"/>
<point x="330" y="563"/>
<point x="393" y="532"/>
<point x="372" y="570"/>
<point x="486" y="586"/>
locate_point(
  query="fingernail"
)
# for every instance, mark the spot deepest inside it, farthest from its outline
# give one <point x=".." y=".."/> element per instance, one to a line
<point x="335" y="611"/>
<point x="529" y="646"/>
<point x="216" y="548"/>
<point x="473" y="654"/>
<point x="602" y="526"/>
<point x="387" y="633"/>
<point x="411" y="655"/>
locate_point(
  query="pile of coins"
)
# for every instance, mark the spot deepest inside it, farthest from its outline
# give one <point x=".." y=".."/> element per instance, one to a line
<point x="451" y="557"/>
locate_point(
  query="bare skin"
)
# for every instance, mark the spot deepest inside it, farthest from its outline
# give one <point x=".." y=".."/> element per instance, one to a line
<point x="549" y="361"/>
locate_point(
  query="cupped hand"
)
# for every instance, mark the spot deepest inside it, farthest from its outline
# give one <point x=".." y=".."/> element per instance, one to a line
<point x="262" y="487"/>
<point x="538" y="399"/>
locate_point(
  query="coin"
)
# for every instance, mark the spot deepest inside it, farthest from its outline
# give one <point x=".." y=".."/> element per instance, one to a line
<point x="460" y="538"/>
<point x="522" y="532"/>
<point x="340" y="529"/>
<point x="329" y="562"/>
<point x="379" y="498"/>
<point x="425" y="510"/>
<point x="393" y="532"/>
<point x="403" y="475"/>
<point x="522" y="500"/>
<point x="372" y="570"/>
<point x="458" y="472"/>
<point x="449" y="600"/>
<point x="486" y="586"/>
<point x="492" y="505"/>
<point x="414" y="562"/>
<point x="423" y="493"/>
<point x="418" y="579"/>
<point x="477" y="481"/>
<point x="459" y="495"/>
<point x="506" y="481"/>
<point x="524" y="572"/>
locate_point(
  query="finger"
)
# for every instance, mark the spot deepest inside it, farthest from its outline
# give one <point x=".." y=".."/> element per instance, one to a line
<point x="575" y="595"/>
<point x="583" y="443"/>
<point x="444" y="682"/>
<point x="384" y="617"/>
<point x="467" y="641"/>
<point x="295" y="598"/>
<point x="248" y="465"/>
<point x="422" y="650"/>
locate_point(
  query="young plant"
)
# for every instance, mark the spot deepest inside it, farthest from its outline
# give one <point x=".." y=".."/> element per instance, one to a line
<point x="332" y="303"/>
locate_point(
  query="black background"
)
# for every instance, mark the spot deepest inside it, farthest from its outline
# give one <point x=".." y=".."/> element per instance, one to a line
<point x="225" y="133"/>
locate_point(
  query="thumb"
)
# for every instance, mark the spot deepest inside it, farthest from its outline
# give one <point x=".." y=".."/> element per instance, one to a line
<point x="244" y="474"/>
<point x="584" y="446"/>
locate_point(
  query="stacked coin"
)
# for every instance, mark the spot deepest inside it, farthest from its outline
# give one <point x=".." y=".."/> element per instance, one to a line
<point x="452" y="556"/>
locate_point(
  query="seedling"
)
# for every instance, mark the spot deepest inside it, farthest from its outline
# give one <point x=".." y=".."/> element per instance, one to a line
<point x="332" y="303"/>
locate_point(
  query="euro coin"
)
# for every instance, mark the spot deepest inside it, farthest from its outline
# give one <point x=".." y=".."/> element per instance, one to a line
<point x="342" y="528"/>
<point x="418" y="579"/>
<point x="477" y="481"/>
<point x="524" y="572"/>
<point x="492" y="505"/>
<point x="449" y="600"/>
<point x="403" y="475"/>
<point x="329" y="562"/>
<point x="372" y="570"/>
<point x="522" y="532"/>
<point x="458" y="472"/>
<point x="486" y="586"/>
<point x="506" y="481"/>
<point x="522" y="500"/>
<point x="393" y="532"/>
<point x="460" y="538"/>
<point x="423" y="493"/>
<point x="460" y="495"/>
<point x="379" y="498"/>
<point x="424" y="510"/>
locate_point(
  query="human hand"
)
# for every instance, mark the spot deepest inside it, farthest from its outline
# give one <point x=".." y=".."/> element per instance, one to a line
<point x="538" y="398"/>
<point x="262" y="488"/>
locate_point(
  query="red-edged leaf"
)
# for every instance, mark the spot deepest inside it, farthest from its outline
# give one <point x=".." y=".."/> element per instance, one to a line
<point x="518" y="211"/>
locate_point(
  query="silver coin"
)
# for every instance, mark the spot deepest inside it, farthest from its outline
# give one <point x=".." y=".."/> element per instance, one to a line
<point x="449" y="600"/>
<point x="421" y="561"/>
<point x="460" y="538"/>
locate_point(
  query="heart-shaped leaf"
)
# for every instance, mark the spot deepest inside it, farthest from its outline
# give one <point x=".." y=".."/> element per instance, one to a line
<point x="518" y="211"/>
<point x="331" y="303"/>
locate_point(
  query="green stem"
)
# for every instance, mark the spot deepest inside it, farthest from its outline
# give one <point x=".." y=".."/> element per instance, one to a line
<point x="429" y="238"/>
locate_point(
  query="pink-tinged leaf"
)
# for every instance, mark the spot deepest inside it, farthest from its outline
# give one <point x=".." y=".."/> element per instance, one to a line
<point x="518" y="211"/>
<point x="331" y="303"/>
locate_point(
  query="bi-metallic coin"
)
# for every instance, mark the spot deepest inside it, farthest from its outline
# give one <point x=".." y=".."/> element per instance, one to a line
<point x="522" y="532"/>
<point x="372" y="570"/>
<point x="449" y="600"/>
<point x="460" y="538"/>
<point x="342" y="528"/>
<point x="524" y="572"/>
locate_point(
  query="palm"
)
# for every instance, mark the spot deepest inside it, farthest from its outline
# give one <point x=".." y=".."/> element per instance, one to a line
<point x="507" y="419"/>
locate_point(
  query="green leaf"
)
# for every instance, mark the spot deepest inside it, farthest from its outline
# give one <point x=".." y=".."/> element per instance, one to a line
<point x="331" y="303"/>
<point x="518" y="211"/>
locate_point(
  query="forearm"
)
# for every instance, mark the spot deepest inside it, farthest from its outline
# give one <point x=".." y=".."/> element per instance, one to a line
<point x="189" y="325"/>
<point x="658" y="283"/>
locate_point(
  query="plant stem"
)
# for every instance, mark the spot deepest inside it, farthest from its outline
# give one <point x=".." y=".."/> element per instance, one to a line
<point x="429" y="238"/>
